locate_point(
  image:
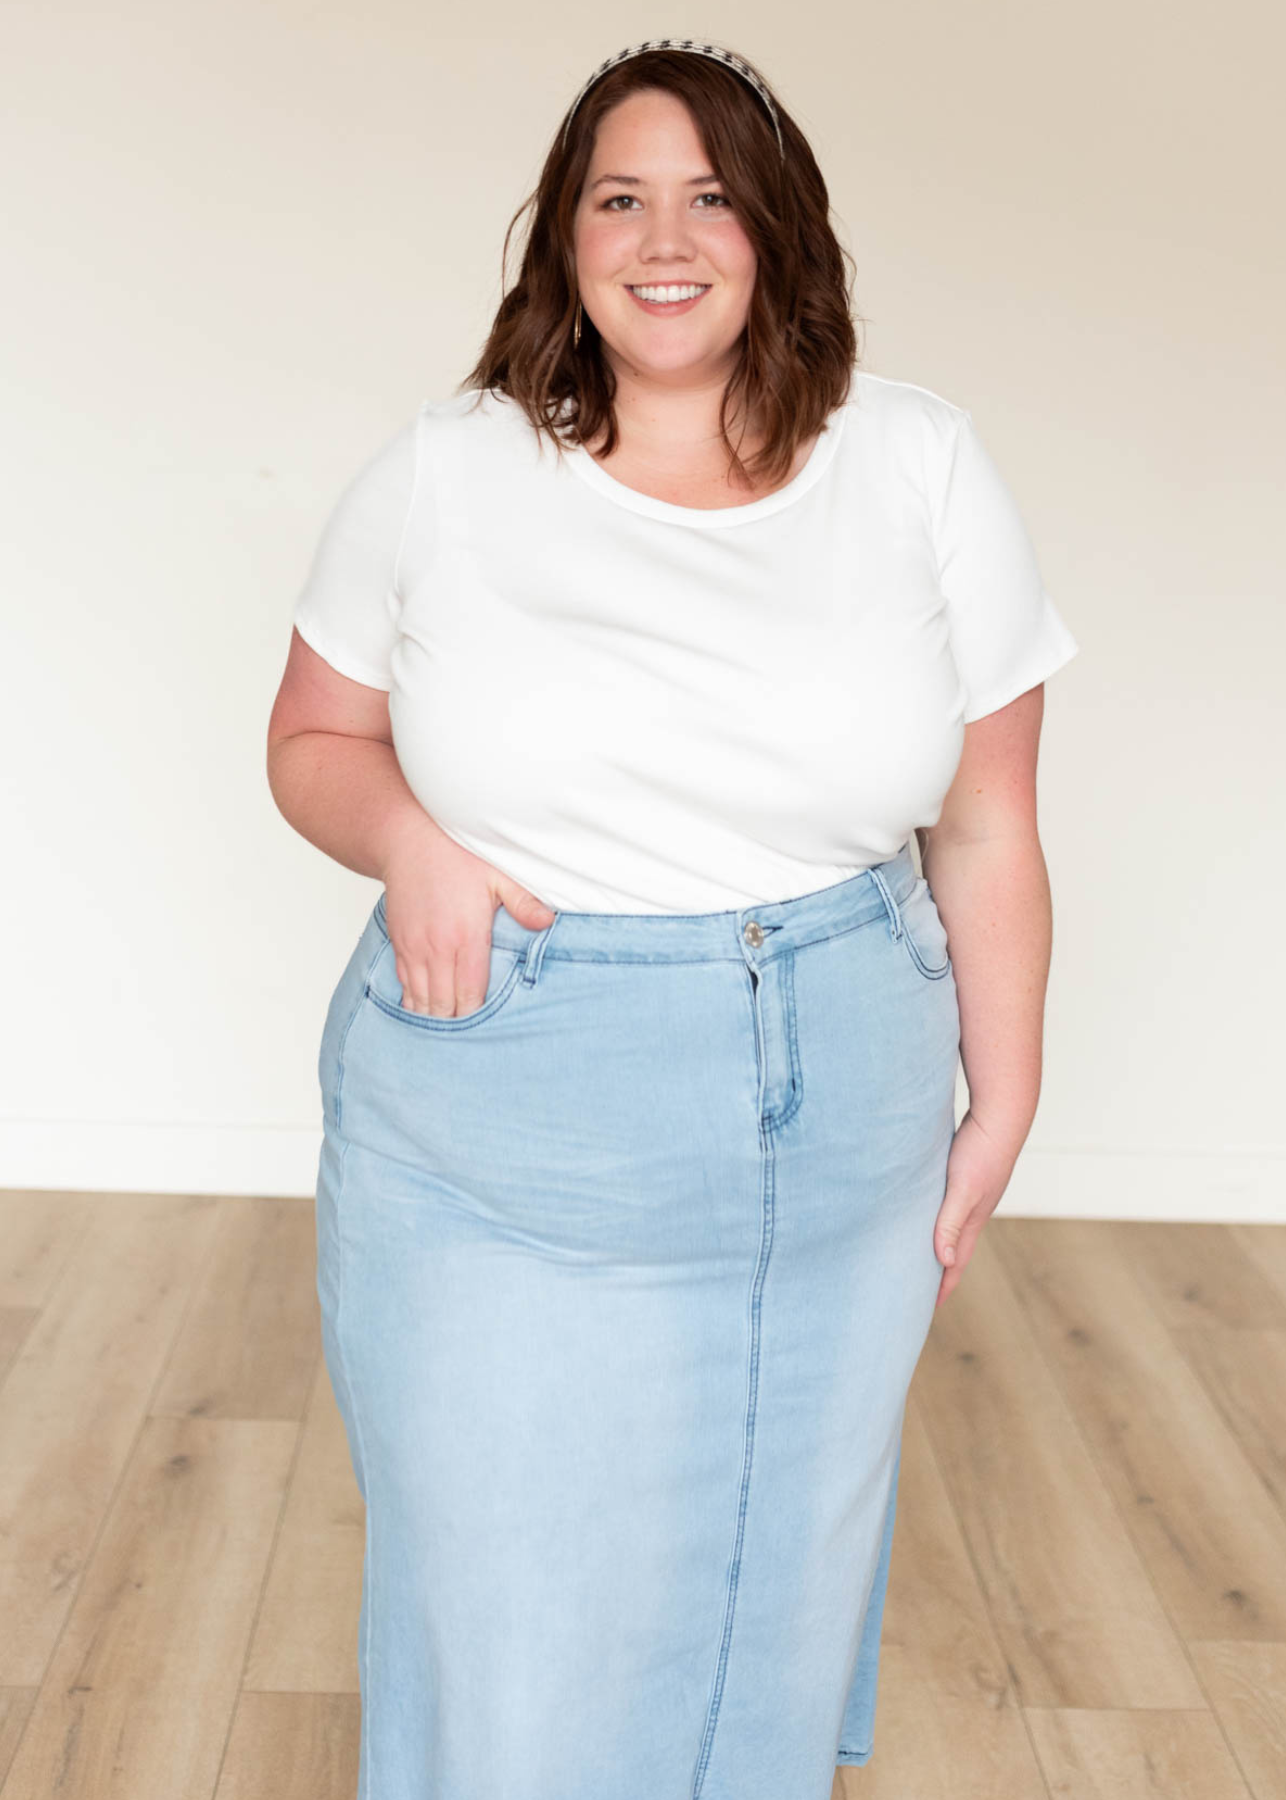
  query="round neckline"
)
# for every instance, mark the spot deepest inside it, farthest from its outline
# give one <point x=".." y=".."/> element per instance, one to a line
<point x="714" y="518"/>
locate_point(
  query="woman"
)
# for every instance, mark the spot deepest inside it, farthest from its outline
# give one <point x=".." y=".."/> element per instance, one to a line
<point x="640" y="1172"/>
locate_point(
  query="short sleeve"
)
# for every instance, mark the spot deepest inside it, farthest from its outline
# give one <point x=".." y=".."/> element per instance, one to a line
<point x="1006" y="633"/>
<point x="348" y="607"/>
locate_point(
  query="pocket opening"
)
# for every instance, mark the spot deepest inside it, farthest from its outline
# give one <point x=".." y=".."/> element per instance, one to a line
<point x="501" y="986"/>
<point x="924" y="933"/>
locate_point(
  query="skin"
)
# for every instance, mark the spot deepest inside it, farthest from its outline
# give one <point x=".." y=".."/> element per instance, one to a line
<point x="984" y="863"/>
<point x="335" y="776"/>
<point x="668" y="220"/>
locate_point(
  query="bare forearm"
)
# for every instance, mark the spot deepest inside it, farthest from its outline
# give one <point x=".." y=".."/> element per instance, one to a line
<point x="346" y="795"/>
<point x="994" y="899"/>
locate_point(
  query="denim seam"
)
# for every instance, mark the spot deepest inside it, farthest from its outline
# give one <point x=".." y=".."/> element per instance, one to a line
<point x="343" y="1042"/>
<point x="908" y="938"/>
<point x="914" y="954"/>
<point x="767" y="1167"/>
<point x="340" y="1052"/>
<point x="823" y="937"/>
<point x="430" y="1022"/>
<point x="774" y="1121"/>
<point x="339" y="1341"/>
<point x="529" y="957"/>
<point x="534" y="955"/>
<point x="367" y="1732"/>
<point x="892" y="905"/>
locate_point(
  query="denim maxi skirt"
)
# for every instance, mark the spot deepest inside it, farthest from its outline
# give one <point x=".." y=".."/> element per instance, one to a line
<point x="623" y="1280"/>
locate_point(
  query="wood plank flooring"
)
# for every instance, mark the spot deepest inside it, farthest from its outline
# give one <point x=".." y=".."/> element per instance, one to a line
<point x="1088" y="1596"/>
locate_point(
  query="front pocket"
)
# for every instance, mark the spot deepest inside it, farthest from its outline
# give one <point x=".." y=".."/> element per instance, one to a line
<point x="385" y="991"/>
<point x="923" y="932"/>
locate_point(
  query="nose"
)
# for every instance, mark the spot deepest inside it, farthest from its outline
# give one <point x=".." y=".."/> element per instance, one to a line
<point x="667" y="234"/>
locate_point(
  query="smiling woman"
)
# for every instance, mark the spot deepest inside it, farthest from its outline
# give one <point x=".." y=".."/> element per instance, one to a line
<point x="639" y="1171"/>
<point x="679" y="169"/>
<point x="674" y="237"/>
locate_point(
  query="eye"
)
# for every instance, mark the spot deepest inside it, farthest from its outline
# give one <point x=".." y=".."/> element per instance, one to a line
<point x="723" y="202"/>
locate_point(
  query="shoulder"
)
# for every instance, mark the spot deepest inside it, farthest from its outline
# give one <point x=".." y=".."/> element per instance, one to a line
<point x="476" y="413"/>
<point x="478" y="428"/>
<point x="904" y="405"/>
<point x="906" y="427"/>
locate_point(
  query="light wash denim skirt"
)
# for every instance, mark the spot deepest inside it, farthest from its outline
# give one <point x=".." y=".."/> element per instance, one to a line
<point x="623" y="1280"/>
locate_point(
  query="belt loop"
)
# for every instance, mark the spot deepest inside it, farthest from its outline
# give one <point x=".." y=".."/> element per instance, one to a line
<point x="535" y="953"/>
<point x="891" y="906"/>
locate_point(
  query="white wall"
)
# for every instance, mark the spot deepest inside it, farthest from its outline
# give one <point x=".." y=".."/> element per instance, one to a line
<point x="242" y="243"/>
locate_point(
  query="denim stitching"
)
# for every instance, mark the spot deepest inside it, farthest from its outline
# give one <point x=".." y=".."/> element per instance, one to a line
<point x="892" y="906"/>
<point x="775" y="1121"/>
<point x="438" y="1022"/>
<point x="675" y="962"/>
<point x="534" y="954"/>
<point x="343" y="1359"/>
<point x="929" y="974"/>
<point x="909" y="940"/>
<point x="767" y="1166"/>
<point x="526" y="963"/>
<point x="367" y="1726"/>
<point x="343" y="1041"/>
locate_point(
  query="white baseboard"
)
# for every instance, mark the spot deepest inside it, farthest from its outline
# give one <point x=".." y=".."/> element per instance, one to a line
<point x="274" y="1162"/>
<point x="1231" y="1186"/>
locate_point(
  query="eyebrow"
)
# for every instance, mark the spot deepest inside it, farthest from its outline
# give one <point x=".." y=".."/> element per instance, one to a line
<point x="637" y="180"/>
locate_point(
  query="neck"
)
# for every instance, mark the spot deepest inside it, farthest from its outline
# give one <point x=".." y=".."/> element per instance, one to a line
<point x="657" y="417"/>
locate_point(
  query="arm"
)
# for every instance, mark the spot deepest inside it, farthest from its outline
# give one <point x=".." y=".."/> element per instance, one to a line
<point x="332" y="768"/>
<point x="985" y="866"/>
<point x="334" y="775"/>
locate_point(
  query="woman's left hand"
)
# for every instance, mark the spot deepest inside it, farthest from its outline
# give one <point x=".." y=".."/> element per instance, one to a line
<point x="978" y="1172"/>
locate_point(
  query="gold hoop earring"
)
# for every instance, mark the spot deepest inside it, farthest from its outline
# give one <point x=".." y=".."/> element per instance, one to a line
<point x="576" y="329"/>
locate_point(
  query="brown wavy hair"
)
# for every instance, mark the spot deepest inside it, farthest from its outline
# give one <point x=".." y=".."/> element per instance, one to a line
<point x="799" y="348"/>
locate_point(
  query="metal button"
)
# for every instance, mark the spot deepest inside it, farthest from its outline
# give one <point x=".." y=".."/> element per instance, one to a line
<point x="754" y="933"/>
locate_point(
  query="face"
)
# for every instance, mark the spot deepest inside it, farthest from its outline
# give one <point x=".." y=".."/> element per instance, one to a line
<point x="653" y="214"/>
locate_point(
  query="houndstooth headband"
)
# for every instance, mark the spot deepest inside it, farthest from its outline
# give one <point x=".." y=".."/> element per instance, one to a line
<point x="724" y="56"/>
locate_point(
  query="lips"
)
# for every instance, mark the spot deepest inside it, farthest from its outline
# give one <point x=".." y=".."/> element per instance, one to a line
<point x="667" y="308"/>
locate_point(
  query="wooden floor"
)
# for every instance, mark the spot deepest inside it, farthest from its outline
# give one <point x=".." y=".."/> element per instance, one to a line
<point x="1088" y="1595"/>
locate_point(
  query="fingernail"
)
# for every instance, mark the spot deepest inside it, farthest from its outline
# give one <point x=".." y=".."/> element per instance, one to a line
<point x="948" y="1255"/>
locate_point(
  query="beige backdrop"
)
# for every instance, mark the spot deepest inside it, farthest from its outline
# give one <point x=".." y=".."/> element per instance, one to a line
<point x="243" y="243"/>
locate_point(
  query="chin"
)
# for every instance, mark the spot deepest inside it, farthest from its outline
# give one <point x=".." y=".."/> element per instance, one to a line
<point x="651" y="354"/>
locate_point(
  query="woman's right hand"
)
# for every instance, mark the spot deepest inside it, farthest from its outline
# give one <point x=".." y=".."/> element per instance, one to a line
<point x="440" y="900"/>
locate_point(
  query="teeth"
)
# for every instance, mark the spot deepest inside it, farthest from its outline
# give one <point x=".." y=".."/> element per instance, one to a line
<point x="666" y="295"/>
